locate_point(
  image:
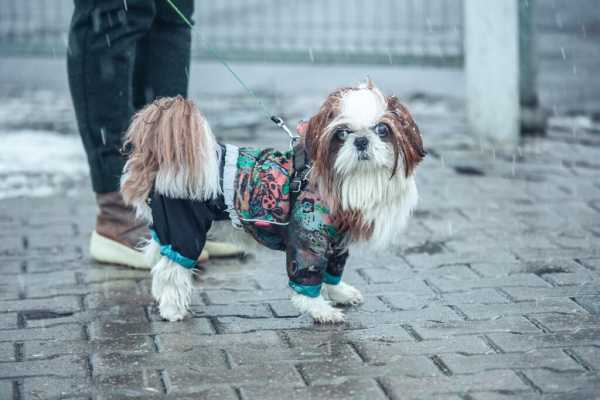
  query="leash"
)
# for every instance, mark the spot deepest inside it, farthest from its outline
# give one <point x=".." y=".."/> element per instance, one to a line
<point x="278" y="121"/>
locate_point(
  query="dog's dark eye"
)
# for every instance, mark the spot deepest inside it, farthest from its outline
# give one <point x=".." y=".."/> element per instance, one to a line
<point x="382" y="129"/>
<point x="342" y="133"/>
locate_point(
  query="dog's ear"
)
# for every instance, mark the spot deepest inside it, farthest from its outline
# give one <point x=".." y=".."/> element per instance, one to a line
<point x="316" y="126"/>
<point x="318" y="144"/>
<point x="407" y="138"/>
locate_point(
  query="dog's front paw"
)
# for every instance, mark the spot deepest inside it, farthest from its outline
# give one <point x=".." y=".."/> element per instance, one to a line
<point x="318" y="308"/>
<point x="345" y="294"/>
<point x="172" y="313"/>
<point x="328" y="315"/>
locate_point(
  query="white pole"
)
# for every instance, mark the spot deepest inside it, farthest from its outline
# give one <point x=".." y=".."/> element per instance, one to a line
<point x="492" y="70"/>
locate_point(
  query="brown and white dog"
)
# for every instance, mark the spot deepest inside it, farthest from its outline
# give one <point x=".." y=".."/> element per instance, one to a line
<point x="366" y="175"/>
<point x="362" y="148"/>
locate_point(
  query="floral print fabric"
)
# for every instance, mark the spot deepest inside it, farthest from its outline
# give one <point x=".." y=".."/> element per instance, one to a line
<point x="307" y="232"/>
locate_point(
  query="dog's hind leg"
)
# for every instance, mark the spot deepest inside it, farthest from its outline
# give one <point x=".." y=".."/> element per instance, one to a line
<point x="172" y="289"/>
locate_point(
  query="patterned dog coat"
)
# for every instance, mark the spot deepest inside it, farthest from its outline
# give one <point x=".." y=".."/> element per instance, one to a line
<point x="257" y="197"/>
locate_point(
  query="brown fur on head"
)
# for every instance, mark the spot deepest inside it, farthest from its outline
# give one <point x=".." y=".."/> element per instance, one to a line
<point x="168" y="142"/>
<point x="319" y="146"/>
<point x="407" y="142"/>
<point x="404" y="145"/>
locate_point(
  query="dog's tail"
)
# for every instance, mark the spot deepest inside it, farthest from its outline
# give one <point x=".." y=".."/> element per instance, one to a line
<point x="170" y="147"/>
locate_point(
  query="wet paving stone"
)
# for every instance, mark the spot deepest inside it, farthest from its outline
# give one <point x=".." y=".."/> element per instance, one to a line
<point x="554" y="359"/>
<point x="50" y="387"/>
<point x="414" y="388"/>
<point x="526" y="342"/>
<point x="182" y="380"/>
<point x="358" y="389"/>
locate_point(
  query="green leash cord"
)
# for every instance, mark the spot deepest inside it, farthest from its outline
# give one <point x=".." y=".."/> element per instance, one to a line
<point x="277" y="120"/>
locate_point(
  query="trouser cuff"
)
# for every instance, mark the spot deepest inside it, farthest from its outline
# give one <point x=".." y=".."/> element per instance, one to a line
<point x="105" y="171"/>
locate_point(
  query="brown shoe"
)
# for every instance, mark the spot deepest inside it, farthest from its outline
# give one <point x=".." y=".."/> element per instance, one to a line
<point x="218" y="249"/>
<point x="118" y="233"/>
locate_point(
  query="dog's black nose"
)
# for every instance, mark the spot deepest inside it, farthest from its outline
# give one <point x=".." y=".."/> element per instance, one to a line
<point x="361" y="143"/>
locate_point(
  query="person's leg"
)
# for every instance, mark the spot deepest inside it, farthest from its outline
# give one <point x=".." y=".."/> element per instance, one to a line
<point x="140" y="95"/>
<point x="102" y="46"/>
<point x="100" y="61"/>
<point x="162" y="57"/>
<point x="162" y="70"/>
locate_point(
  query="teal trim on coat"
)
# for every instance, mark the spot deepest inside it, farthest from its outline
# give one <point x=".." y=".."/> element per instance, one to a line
<point x="172" y="254"/>
<point x="331" y="279"/>
<point x="307" y="290"/>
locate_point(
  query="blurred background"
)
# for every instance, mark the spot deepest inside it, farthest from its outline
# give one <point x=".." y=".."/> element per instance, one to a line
<point x="292" y="53"/>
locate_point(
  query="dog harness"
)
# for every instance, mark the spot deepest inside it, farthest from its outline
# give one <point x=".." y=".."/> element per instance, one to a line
<point x="265" y="192"/>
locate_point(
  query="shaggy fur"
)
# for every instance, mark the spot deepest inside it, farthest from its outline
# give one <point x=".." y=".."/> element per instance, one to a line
<point x="371" y="199"/>
<point x="171" y="146"/>
<point x="364" y="175"/>
<point x="344" y="294"/>
<point x="172" y="289"/>
<point x="318" y="308"/>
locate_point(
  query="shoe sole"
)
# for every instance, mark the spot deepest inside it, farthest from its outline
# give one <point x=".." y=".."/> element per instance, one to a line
<point x="223" y="250"/>
<point x="108" y="251"/>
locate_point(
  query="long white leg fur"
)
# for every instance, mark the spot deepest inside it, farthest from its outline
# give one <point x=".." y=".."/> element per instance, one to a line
<point x="151" y="251"/>
<point x="318" y="308"/>
<point x="172" y="289"/>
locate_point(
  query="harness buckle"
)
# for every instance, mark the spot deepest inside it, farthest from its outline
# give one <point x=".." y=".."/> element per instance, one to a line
<point x="296" y="185"/>
<point x="299" y="179"/>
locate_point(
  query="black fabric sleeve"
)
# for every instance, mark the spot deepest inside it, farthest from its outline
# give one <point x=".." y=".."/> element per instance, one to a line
<point x="181" y="223"/>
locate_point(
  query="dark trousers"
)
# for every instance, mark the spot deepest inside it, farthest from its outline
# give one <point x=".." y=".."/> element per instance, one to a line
<point x="122" y="55"/>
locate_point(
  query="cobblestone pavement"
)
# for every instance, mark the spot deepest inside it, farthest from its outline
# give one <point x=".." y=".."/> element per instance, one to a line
<point x="494" y="293"/>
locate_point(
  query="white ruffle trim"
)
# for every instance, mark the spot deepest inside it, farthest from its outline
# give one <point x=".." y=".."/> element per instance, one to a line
<point x="229" y="174"/>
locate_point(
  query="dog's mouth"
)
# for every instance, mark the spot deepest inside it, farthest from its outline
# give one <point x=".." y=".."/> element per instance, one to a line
<point x="363" y="156"/>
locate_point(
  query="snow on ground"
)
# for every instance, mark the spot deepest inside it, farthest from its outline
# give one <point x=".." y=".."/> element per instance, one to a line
<point x="36" y="109"/>
<point x="574" y="123"/>
<point x="40" y="163"/>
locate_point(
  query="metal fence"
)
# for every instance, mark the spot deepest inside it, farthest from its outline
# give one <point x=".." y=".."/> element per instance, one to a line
<point x="424" y="32"/>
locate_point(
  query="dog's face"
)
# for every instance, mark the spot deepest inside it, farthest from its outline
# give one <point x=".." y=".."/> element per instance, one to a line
<point x="358" y="138"/>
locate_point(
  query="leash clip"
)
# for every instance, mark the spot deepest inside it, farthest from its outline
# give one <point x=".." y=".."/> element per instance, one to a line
<point x="280" y="124"/>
